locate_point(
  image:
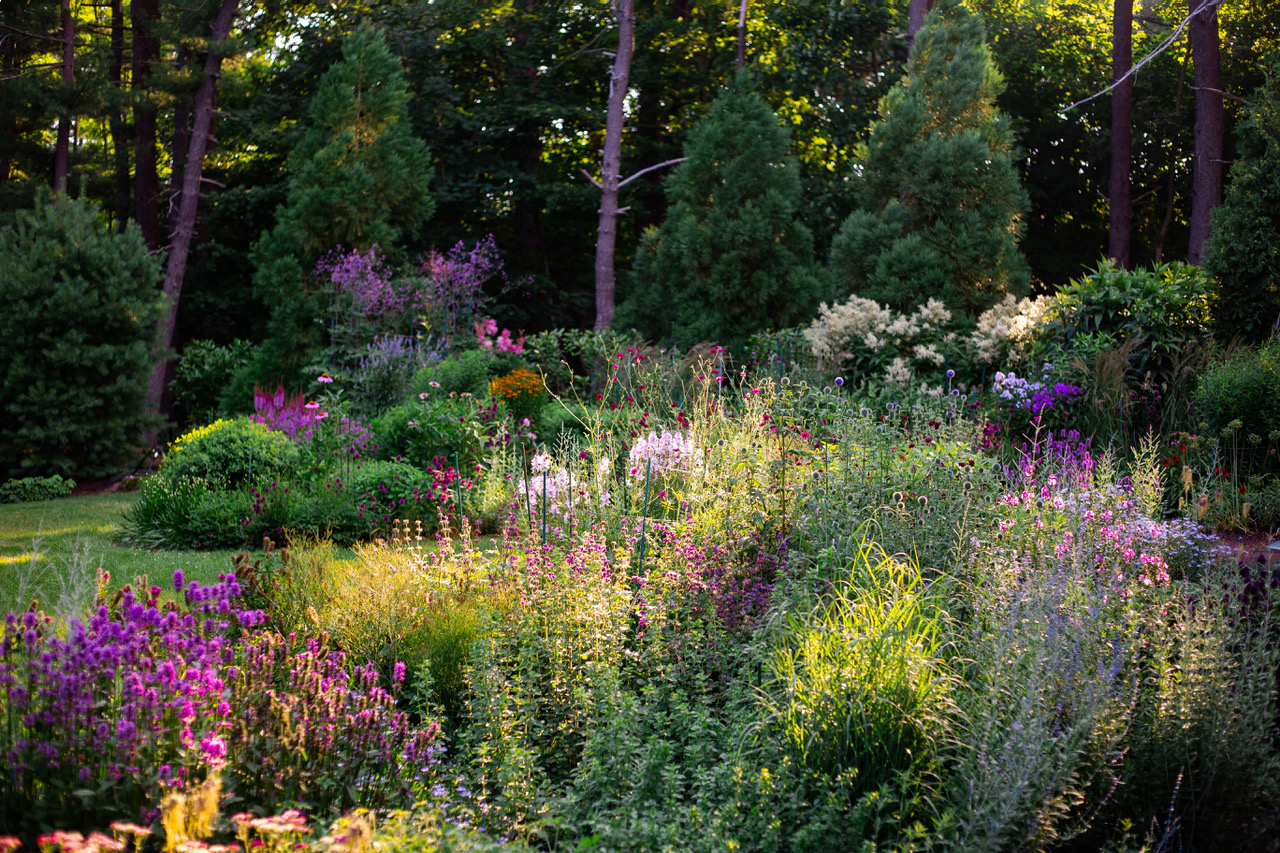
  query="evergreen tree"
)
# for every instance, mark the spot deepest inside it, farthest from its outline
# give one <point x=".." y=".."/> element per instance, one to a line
<point x="75" y="341"/>
<point x="941" y="206"/>
<point x="732" y="257"/>
<point x="1243" y="253"/>
<point x="358" y="178"/>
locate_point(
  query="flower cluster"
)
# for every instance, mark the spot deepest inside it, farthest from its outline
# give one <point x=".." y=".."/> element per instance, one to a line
<point x="1006" y="326"/>
<point x="367" y="278"/>
<point x="1033" y="395"/>
<point x="286" y="413"/>
<point x="311" y="729"/>
<point x="670" y="452"/>
<point x="485" y="330"/>
<point x="128" y="704"/>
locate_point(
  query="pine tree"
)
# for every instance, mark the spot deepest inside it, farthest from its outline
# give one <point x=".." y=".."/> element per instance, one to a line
<point x="731" y="258"/>
<point x="75" y="341"/>
<point x="941" y="206"/>
<point x="358" y="178"/>
<point x="1243" y="253"/>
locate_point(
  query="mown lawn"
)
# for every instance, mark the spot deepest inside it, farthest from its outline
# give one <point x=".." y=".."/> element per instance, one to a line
<point x="47" y="547"/>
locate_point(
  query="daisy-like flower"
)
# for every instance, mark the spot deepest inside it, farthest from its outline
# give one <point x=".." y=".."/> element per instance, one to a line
<point x="324" y="379"/>
<point x="434" y="384"/>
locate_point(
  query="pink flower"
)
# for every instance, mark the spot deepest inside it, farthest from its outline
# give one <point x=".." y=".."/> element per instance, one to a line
<point x="324" y="378"/>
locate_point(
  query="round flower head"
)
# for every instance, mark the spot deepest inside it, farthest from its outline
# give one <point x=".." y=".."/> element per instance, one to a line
<point x="951" y="374"/>
<point x="839" y="381"/>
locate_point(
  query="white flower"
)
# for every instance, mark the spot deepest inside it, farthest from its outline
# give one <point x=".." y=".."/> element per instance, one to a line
<point x="541" y="462"/>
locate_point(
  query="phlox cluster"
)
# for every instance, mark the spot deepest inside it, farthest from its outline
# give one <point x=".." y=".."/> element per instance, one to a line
<point x="1034" y="395"/>
<point x="670" y="452"/>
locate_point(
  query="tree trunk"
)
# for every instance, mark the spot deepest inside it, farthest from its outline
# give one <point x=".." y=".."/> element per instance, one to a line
<point x="146" y="49"/>
<point x="178" y="146"/>
<point x="119" y="130"/>
<point x="742" y="33"/>
<point x="61" y="152"/>
<point x="917" y="10"/>
<point x="1120" y="201"/>
<point x="611" y="164"/>
<point x="1206" y="180"/>
<point x="185" y="221"/>
<point x="1170" y="195"/>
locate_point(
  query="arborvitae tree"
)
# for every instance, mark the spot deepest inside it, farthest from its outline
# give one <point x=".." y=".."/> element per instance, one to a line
<point x="1243" y="253"/>
<point x="732" y="257"/>
<point x="358" y="178"/>
<point x="940" y="203"/>
<point x="75" y="341"/>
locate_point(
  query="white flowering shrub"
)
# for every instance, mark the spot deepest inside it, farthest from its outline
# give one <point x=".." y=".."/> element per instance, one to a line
<point x="1006" y="327"/>
<point x="879" y="344"/>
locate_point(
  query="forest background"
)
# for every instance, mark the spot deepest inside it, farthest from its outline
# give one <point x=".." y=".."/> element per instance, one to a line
<point x="506" y="105"/>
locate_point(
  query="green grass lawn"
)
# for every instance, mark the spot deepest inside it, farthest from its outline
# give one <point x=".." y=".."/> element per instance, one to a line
<point x="75" y="539"/>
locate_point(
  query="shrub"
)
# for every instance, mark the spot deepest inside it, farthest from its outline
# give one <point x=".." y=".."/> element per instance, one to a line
<point x="437" y="426"/>
<point x="35" y="489"/>
<point x="385" y="491"/>
<point x="203" y="371"/>
<point x="1167" y="309"/>
<point x="230" y="452"/>
<point x="75" y="341"/>
<point x="466" y="372"/>
<point x="883" y="346"/>
<point x="1245" y="388"/>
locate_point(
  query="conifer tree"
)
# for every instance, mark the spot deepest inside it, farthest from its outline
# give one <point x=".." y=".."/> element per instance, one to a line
<point x="358" y="178"/>
<point x="1243" y="253"/>
<point x="732" y="257"/>
<point x="941" y="206"/>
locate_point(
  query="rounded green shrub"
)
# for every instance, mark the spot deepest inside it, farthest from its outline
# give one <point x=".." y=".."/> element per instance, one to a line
<point x="231" y="453"/>
<point x="75" y="341"/>
<point x="1245" y="388"/>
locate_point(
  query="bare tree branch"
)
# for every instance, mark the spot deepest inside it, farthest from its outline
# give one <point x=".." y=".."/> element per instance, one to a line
<point x="1160" y="48"/>
<point x="626" y="181"/>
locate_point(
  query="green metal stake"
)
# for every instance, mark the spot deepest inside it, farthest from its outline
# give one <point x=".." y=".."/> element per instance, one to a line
<point x="644" y="518"/>
<point x="458" y="484"/>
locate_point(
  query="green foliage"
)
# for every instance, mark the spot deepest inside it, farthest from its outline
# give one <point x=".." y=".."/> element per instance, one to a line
<point x="1243" y="253"/>
<point x="357" y="179"/>
<point x="1244" y="388"/>
<point x="75" y="341"/>
<point x="732" y="257"/>
<point x="858" y="683"/>
<point x="203" y="372"/>
<point x="433" y="427"/>
<point x="229" y="453"/>
<point x="30" y="489"/>
<point x="1166" y="310"/>
<point x="466" y="372"/>
<point x="941" y="205"/>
